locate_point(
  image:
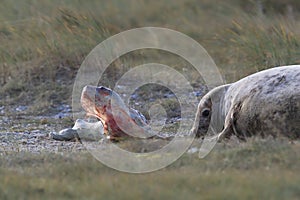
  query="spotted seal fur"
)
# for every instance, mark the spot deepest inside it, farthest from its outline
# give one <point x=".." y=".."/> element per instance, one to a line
<point x="265" y="103"/>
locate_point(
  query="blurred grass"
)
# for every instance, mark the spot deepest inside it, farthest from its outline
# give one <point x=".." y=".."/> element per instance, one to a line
<point x="259" y="169"/>
<point x="264" y="44"/>
<point x="43" y="43"/>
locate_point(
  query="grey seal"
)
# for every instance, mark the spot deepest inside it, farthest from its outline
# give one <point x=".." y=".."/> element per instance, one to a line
<point x="265" y="103"/>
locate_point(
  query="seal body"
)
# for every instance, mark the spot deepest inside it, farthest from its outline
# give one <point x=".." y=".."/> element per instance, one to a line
<point x="264" y="103"/>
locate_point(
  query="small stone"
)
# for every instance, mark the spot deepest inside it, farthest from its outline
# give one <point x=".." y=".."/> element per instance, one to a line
<point x="44" y="121"/>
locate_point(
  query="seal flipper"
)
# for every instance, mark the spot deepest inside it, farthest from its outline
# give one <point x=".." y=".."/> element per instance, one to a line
<point x="65" y="135"/>
<point x="230" y="124"/>
<point x="226" y="133"/>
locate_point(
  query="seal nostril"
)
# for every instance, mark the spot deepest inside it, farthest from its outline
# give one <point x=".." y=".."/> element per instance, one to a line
<point x="103" y="89"/>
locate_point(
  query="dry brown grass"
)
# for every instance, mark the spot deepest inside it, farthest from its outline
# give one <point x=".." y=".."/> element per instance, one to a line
<point x="44" y="43"/>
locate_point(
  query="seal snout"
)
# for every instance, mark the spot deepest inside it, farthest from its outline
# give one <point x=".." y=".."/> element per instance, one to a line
<point x="89" y="91"/>
<point x="92" y="91"/>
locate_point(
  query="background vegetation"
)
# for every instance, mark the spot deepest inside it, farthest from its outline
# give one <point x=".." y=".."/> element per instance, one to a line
<point x="43" y="44"/>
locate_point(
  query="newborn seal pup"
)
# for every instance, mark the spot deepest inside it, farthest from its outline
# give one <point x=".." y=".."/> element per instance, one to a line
<point x="264" y="103"/>
<point x="116" y="120"/>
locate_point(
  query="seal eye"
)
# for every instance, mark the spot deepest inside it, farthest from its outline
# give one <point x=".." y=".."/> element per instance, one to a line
<point x="205" y="113"/>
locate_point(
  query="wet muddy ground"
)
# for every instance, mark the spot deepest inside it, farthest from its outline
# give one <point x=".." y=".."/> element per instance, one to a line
<point x="20" y="132"/>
